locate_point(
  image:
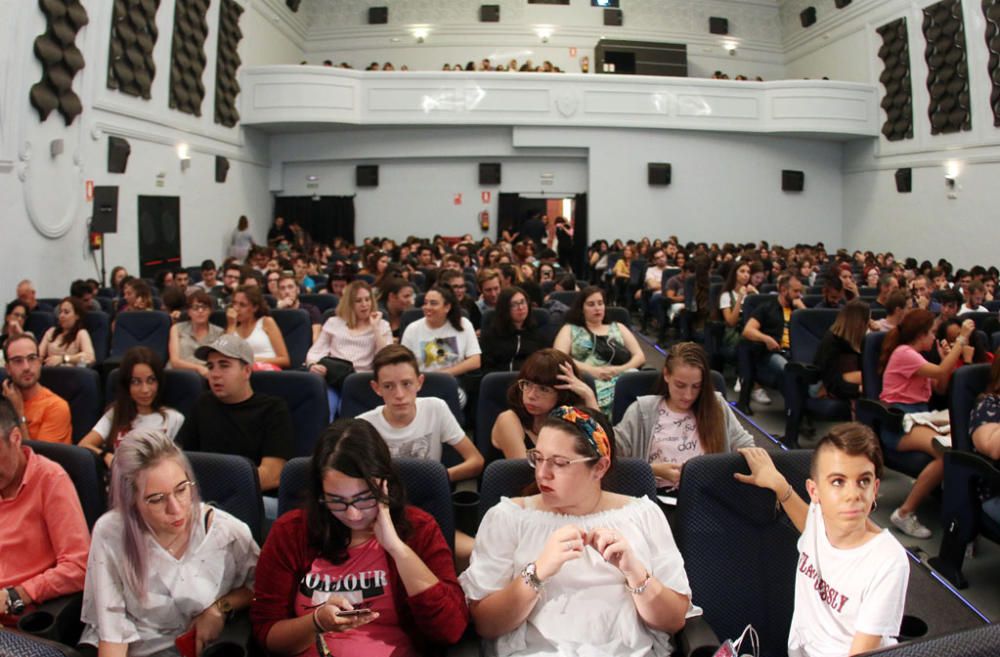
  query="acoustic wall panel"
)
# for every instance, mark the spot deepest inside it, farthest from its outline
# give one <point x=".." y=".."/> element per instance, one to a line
<point x="949" y="109"/>
<point x="187" y="56"/>
<point x="898" y="99"/>
<point x="227" y="87"/>
<point x="60" y="58"/>
<point x="131" y="67"/>
<point x="991" y="11"/>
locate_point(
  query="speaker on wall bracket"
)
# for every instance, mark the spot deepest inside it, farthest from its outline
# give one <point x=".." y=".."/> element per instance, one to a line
<point x="489" y="173"/>
<point x="658" y="173"/>
<point x="221" y="168"/>
<point x="489" y="13"/>
<point x="717" y="25"/>
<point x="366" y="175"/>
<point x="613" y="17"/>
<point x="378" y="15"/>
<point x="808" y="16"/>
<point x="792" y="181"/>
<point x="118" y="152"/>
<point x="840" y="4"/>
<point x="105" y="219"/>
<point x="904" y="180"/>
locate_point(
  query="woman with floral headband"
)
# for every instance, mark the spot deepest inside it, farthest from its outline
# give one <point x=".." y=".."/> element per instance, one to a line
<point x="537" y="557"/>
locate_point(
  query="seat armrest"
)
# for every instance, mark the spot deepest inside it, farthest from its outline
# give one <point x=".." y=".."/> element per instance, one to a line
<point x="981" y="466"/>
<point x="888" y="418"/>
<point x="697" y="639"/>
<point x="804" y="372"/>
<point x="57" y="619"/>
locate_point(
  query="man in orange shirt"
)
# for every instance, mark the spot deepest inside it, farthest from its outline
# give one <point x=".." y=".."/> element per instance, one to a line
<point x="43" y="534"/>
<point x="45" y="414"/>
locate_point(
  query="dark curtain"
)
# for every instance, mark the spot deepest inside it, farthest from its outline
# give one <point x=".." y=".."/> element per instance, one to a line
<point x="507" y="219"/>
<point x="580" y="240"/>
<point x="322" y="219"/>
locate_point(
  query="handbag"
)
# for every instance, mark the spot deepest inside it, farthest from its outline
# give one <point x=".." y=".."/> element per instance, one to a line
<point x="611" y="352"/>
<point x="337" y="369"/>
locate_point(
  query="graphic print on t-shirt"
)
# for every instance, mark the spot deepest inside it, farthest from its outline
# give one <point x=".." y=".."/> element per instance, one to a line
<point x="674" y="440"/>
<point x="440" y="352"/>
<point x="418" y="447"/>
<point x="358" y="586"/>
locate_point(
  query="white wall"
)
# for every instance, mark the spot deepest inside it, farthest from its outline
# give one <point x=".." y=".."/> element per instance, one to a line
<point x="44" y="225"/>
<point x="725" y="187"/>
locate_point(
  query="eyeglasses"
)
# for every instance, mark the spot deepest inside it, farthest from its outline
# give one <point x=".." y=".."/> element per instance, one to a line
<point x="538" y="388"/>
<point x="181" y="493"/>
<point x="200" y="307"/>
<point x="361" y="503"/>
<point x="535" y="460"/>
<point x="518" y="304"/>
<point x="21" y="360"/>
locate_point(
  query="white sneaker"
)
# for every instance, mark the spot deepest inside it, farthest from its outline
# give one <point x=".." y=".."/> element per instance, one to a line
<point x="759" y="395"/>
<point x="909" y="525"/>
<point x="736" y="386"/>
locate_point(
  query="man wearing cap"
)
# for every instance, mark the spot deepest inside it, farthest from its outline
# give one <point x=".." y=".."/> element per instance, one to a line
<point x="232" y="419"/>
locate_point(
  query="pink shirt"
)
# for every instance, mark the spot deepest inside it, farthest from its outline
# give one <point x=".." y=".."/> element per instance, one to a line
<point x="901" y="384"/>
<point x="43" y="534"/>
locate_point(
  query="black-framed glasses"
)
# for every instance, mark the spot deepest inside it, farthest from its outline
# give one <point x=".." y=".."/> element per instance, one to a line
<point x="361" y="503"/>
<point x="535" y="460"/>
<point x="538" y="388"/>
<point x="181" y="493"/>
<point x="21" y="360"/>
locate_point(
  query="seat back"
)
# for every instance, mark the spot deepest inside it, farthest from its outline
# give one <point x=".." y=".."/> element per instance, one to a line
<point x="80" y="387"/>
<point x="230" y="483"/>
<point x="323" y="302"/>
<point x="967" y="383"/>
<point x="618" y="314"/>
<point x="98" y="325"/>
<point x="632" y="385"/>
<point x="20" y="644"/>
<point x="81" y="466"/>
<point x="181" y="389"/>
<point x="409" y="316"/>
<point x="38" y="322"/>
<point x="871" y="379"/>
<point x="807" y="330"/>
<point x="564" y="296"/>
<point x="149" y="328"/>
<point x="357" y="396"/>
<point x="509" y="478"/>
<point x="751" y="302"/>
<point x="296" y="329"/>
<point x="492" y="402"/>
<point x="668" y="273"/>
<point x="426" y="484"/>
<point x="981" y="319"/>
<point x="305" y="394"/>
<point x="736" y="524"/>
<point x="977" y="642"/>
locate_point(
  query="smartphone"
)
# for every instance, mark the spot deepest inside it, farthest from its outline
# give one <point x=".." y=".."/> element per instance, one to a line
<point x="353" y="612"/>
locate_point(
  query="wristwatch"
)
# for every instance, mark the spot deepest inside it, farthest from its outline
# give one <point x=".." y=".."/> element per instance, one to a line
<point x="530" y="577"/>
<point x="15" y="605"/>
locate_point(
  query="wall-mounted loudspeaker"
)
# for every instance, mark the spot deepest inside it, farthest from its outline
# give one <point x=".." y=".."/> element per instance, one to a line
<point x="105" y="219"/>
<point x="367" y="175"/>
<point x="221" y="168"/>
<point x="489" y="173"/>
<point x="717" y="25"/>
<point x="118" y="152"/>
<point x="904" y="180"/>
<point x="378" y="15"/>
<point x="659" y="173"/>
<point x="840" y="4"/>
<point x="489" y="13"/>
<point x="293" y="4"/>
<point x="808" y="16"/>
<point x="792" y="181"/>
<point x="613" y="17"/>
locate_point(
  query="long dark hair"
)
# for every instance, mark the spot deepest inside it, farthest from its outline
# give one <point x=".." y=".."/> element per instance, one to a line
<point x="354" y="448"/>
<point x="454" y="310"/>
<point x="502" y="323"/>
<point x="256" y="298"/>
<point x="706" y="410"/>
<point x="915" y="323"/>
<point x="124" y="410"/>
<point x="575" y="313"/>
<point x="542" y="367"/>
<point x="70" y="335"/>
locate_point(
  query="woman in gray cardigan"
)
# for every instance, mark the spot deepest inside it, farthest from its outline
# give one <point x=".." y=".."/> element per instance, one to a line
<point x="686" y="418"/>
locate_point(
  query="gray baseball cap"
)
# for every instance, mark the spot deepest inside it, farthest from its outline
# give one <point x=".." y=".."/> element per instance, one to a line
<point x="229" y="345"/>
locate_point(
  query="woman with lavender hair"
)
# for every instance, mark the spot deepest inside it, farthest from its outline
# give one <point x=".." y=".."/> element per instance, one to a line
<point x="162" y="565"/>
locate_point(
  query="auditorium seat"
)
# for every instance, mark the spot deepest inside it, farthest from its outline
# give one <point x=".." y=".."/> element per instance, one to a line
<point x="149" y="328"/>
<point x="98" y="325"/>
<point x="296" y="329"/>
<point x="81" y="466"/>
<point x="305" y="394"/>
<point x="80" y="387"/>
<point x="358" y="397"/>
<point x="230" y="483"/>
<point x="632" y="385"/>
<point x="323" y="302"/>
<point x="38" y="322"/>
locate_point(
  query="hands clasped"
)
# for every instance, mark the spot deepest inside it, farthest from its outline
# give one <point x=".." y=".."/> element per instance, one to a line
<point x="569" y="543"/>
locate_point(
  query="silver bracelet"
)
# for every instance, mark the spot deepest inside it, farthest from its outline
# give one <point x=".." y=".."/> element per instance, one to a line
<point x="639" y="589"/>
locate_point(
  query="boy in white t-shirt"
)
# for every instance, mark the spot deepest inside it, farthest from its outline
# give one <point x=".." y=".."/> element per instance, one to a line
<point x="412" y="427"/>
<point x="851" y="576"/>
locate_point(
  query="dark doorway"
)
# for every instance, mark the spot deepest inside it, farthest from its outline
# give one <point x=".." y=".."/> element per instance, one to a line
<point x="322" y="217"/>
<point x="159" y="234"/>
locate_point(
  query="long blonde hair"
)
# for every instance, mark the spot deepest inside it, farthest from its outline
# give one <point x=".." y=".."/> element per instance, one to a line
<point x="345" y="309"/>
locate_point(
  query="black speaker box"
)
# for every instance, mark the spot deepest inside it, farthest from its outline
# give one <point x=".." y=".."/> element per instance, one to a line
<point x="489" y="173"/>
<point x="367" y="175"/>
<point x="489" y="13"/>
<point x="659" y="173"/>
<point x="105" y="219"/>
<point x="904" y="180"/>
<point x="293" y="4"/>
<point x="221" y="168"/>
<point x="808" y="16"/>
<point x="118" y="152"/>
<point x="717" y="25"/>
<point x="840" y="4"/>
<point x="378" y="15"/>
<point x="792" y="181"/>
<point x="613" y="17"/>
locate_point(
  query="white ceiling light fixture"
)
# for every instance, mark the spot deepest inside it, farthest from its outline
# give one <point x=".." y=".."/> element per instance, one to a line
<point x="544" y="33"/>
<point x="420" y="33"/>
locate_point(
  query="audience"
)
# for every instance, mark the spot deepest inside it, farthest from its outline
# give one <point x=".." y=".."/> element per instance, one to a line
<point x="15" y="316"/>
<point x="197" y="331"/>
<point x="397" y="296"/>
<point x="187" y="565"/>
<point x="684" y="419"/>
<point x="68" y="342"/>
<point x="45" y="414"/>
<point x="249" y="318"/>
<point x="838" y="357"/>
<point x="43" y="536"/>
<point x="533" y="585"/>
<point x="288" y="299"/>
<point x="356" y="545"/>
<point x="601" y="349"/>
<point x="513" y="335"/>
<point x="138" y="405"/>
